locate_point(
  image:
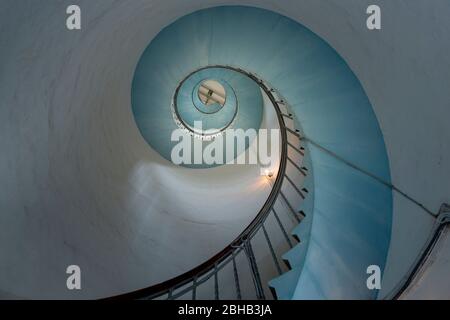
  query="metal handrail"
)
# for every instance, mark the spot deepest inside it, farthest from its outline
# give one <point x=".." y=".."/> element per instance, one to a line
<point x="210" y="268"/>
<point x="442" y="221"/>
<point x="183" y="125"/>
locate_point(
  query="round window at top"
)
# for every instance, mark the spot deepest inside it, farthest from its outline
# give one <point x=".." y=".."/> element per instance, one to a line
<point x="211" y="92"/>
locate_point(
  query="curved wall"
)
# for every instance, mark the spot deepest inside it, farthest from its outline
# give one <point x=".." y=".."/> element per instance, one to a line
<point x="386" y="62"/>
<point x="79" y="183"/>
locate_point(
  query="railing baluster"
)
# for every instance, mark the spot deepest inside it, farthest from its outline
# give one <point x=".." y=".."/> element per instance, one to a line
<point x="296" y="149"/>
<point x="290" y="207"/>
<point x="295" y="187"/>
<point x="274" y="256"/>
<point x="170" y="294"/>
<point x="297" y="167"/>
<point x="194" y="289"/>
<point x="236" y="278"/>
<point x="295" y="133"/>
<point x="282" y="228"/>
<point x="254" y="268"/>
<point x="216" y="283"/>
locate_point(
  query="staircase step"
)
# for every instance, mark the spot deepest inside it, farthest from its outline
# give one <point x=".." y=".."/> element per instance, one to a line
<point x="295" y="257"/>
<point x="284" y="286"/>
<point x="303" y="229"/>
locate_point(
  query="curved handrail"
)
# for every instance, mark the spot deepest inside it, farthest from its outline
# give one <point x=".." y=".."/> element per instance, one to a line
<point x="182" y="124"/>
<point x="442" y="221"/>
<point x="241" y="240"/>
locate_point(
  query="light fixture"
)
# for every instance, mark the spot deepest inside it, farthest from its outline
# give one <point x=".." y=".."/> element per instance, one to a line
<point x="269" y="173"/>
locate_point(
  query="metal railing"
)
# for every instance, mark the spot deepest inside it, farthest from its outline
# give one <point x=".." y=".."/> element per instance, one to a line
<point x="442" y="221"/>
<point x="189" y="282"/>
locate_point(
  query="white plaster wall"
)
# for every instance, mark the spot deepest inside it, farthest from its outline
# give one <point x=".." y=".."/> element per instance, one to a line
<point x="54" y="149"/>
<point x="79" y="183"/>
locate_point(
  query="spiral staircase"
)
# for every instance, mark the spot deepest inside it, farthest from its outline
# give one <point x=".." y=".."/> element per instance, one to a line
<point x="92" y="181"/>
<point x="315" y="73"/>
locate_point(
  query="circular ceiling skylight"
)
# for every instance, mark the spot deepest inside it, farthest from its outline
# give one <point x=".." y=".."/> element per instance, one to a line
<point x="212" y="92"/>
